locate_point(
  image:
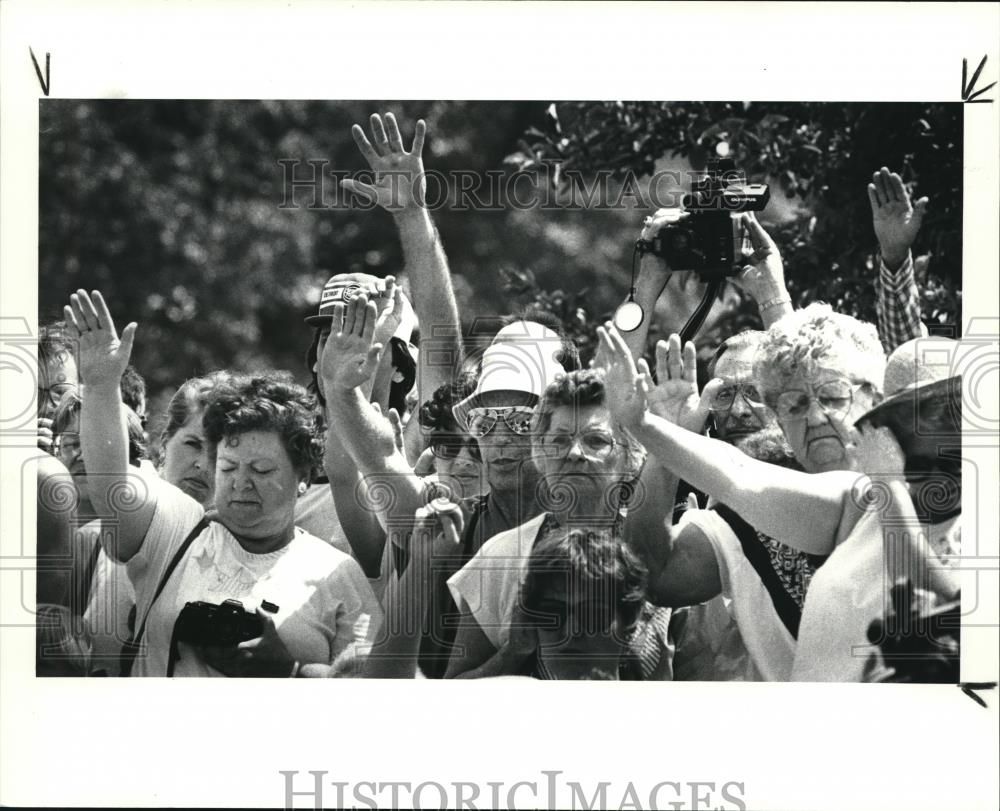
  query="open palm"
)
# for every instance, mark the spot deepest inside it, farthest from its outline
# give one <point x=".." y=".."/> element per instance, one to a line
<point x="103" y="355"/>
<point x="675" y="396"/>
<point x="895" y="219"/>
<point x="399" y="183"/>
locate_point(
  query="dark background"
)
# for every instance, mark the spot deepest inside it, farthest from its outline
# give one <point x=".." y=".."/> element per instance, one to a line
<point x="172" y="210"/>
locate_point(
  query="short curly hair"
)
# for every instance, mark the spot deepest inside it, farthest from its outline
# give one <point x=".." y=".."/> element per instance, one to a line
<point x="805" y="338"/>
<point x="591" y="563"/>
<point x="436" y="414"/>
<point x="579" y="389"/>
<point x="269" y="401"/>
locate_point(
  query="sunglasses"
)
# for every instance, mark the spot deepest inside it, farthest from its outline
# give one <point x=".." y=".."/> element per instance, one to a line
<point x="517" y="418"/>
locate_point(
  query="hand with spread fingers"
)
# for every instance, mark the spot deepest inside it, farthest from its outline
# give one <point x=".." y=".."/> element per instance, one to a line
<point x="896" y="220"/>
<point x="626" y="384"/>
<point x="349" y="357"/>
<point x="399" y="185"/>
<point x="103" y="356"/>
<point x="391" y="316"/>
<point x="675" y="396"/>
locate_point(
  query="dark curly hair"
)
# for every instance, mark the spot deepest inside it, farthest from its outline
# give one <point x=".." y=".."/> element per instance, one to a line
<point x="436" y="413"/>
<point x="269" y="401"/>
<point x="591" y="564"/>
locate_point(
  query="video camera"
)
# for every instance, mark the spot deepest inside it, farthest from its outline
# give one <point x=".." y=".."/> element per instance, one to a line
<point x="705" y="234"/>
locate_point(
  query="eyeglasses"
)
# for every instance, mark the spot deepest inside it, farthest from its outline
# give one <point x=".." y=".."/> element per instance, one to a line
<point x="484" y="420"/>
<point x="725" y="398"/>
<point x="448" y="446"/>
<point x="68" y="443"/>
<point x="53" y="395"/>
<point x="834" y="397"/>
<point x="594" y="444"/>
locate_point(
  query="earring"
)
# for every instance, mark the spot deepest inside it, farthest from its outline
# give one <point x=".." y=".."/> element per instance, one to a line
<point x="302" y="488"/>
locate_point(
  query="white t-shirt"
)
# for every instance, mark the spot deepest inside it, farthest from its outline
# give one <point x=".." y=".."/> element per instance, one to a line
<point x="769" y="642"/>
<point x="324" y="600"/>
<point x="847" y="594"/>
<point x="487" y="586"/>
<point x="316" y="513"/>
<point x="106" y="617"/>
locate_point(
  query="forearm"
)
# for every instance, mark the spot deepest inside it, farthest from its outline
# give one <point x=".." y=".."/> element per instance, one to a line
<point x="775" y="306"/>
<point x="649" y="284"/>
<point x="115" y="491"/>
<point x="433" y="299"/>
<point x="897" y="302"/>
<point x="355" y="423"/>
<point x="395" y="655"/>
<point x="359" y="523"/>
<point x="770" y="498"/>
<point x="645" y="527"/>
<point x="907" y="550"/>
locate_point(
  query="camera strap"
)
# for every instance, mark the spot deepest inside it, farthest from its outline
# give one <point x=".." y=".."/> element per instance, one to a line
<point x="690" y="329"/>
<point x="131" y="648"/>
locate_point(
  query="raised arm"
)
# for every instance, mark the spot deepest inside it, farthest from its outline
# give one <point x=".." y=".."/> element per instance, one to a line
<point x="896" y="222"/>
<point x="400" y="188"/>
<point x="437" y="529"/>
<point x="674" y="397"/>
<point x="114" y="490"/>
<point x="770" y="498"/>
<point x="908" y="553"/>
<point x="347" y="361"/>
<point x="764" y="275"/>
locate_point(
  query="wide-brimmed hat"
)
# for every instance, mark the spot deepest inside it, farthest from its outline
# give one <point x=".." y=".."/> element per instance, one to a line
<point x="343" y="287"/>
<point x="923" y="395"/>
<point x="517" y="367"/>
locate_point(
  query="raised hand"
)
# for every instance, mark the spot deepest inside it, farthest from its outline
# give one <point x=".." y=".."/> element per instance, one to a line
<point x="399" y="175"/>
<point x="675" y="395"/>
<point x="895" y="219"/>
<point x="349" y="357"/>
<point x="389" y="319"/>
<point x="763" y="276"/>
<point x="103" y="356"/>
<point x="625" y="384"/>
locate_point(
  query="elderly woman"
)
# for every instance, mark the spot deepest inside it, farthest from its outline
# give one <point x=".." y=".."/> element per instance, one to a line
<point x="301" y="601"/>
<point x="819" y="371"/>
<point x="586" y="465"/>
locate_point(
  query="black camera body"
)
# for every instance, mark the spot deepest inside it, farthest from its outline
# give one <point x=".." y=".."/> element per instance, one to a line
<point x="706" y="234"/>
<point x="224" y="625"/>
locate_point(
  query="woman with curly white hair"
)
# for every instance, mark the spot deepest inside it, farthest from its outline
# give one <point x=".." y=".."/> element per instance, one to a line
<point x="819" y="371"/>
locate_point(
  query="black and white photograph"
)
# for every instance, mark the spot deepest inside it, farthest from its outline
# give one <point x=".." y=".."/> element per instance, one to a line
<point x="348" y="398"/>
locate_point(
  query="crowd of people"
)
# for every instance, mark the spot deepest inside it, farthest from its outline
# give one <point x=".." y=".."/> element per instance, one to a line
<point x="436" y="507"/>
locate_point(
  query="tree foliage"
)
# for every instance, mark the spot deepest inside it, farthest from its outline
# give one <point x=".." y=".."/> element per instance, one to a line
<point x="820" y="156"/>
<point x="178" y="210"/>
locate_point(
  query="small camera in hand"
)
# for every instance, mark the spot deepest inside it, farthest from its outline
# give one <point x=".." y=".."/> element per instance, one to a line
<point x="705" y="233"/>
<point x="224" y="625"/>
